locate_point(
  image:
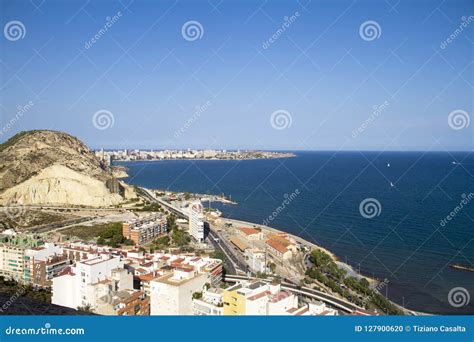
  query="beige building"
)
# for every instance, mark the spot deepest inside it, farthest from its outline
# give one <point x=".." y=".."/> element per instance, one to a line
<point x="278" y="250"/>
<point x="145" y="229"/>
<point x="172" y="294"/>
<point x="250" y="233"/>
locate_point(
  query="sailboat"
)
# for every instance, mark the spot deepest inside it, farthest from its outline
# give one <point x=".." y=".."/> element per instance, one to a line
<point x="388" y="165"/>
<point x="391" y="185"/>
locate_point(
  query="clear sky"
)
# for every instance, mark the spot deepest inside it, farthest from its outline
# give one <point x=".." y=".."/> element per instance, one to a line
<point x="321" y="73"/>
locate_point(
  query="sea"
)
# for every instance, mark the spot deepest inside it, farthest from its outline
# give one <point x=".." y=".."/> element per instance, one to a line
<point x="400" y="217"/>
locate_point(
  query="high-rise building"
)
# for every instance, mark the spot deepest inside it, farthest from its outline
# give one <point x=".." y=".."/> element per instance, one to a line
<point x="196" y="221"/>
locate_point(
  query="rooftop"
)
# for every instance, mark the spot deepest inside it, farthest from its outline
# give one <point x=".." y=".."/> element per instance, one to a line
<point x="277" y="245"/>
<point x="249" y="231"/>
<point x="238" y="243"/>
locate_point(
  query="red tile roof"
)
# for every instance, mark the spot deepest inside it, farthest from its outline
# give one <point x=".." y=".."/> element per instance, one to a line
<point x="249" y="231"/>
<point x="277" y="245"/>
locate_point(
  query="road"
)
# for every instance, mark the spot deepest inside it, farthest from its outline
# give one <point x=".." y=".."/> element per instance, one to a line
<point x="229" y="264"/>
<point x="52" y="207"/>
<point x="304" y="291"/>
<point x="234" y="264"/>
<point x="167" y="205"/>
<point x="60" y="225"/>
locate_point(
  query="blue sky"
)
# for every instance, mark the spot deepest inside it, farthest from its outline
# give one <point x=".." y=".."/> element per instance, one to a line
<point x="319" y="73"/>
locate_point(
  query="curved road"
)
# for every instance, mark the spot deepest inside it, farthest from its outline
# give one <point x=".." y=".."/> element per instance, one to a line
<point x="304" y="291"/>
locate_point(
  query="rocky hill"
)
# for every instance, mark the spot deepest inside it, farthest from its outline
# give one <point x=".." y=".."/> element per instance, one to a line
<point x="49" y="167"/>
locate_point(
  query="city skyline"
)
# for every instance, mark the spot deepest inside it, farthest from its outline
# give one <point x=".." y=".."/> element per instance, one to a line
<point x="254" y="76"/>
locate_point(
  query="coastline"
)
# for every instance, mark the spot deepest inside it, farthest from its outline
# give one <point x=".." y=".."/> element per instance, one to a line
<point x="200" y="159"/>
<point x="350" y="270"/>
<point x="372" y="281"/>
<point x="302" y="241"/>
<point x="312" y="246"/>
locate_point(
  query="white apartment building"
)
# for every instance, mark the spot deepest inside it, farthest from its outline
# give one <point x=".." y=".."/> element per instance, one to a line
<point x="75" y="286"/>
<point x="263" y="299"/>
<point x="210" y="304"/>
<point x="196" y="221"/>
<point x="172" y="294"/>
<point x="269" y="300"/>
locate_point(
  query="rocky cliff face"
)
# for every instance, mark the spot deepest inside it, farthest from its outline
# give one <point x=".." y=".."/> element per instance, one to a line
<point x="48" y="167"/>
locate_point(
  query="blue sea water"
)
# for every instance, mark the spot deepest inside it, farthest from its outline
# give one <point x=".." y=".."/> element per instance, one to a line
<point x="406" y="243"/>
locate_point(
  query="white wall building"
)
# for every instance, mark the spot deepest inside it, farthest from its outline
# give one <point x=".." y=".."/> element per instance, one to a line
<point x="196" y="221"/>
<point x="172" y="294"/>
<point x="210" y="304"/>
<point x="256" y="260"/>
<point x="74" y="287"/>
